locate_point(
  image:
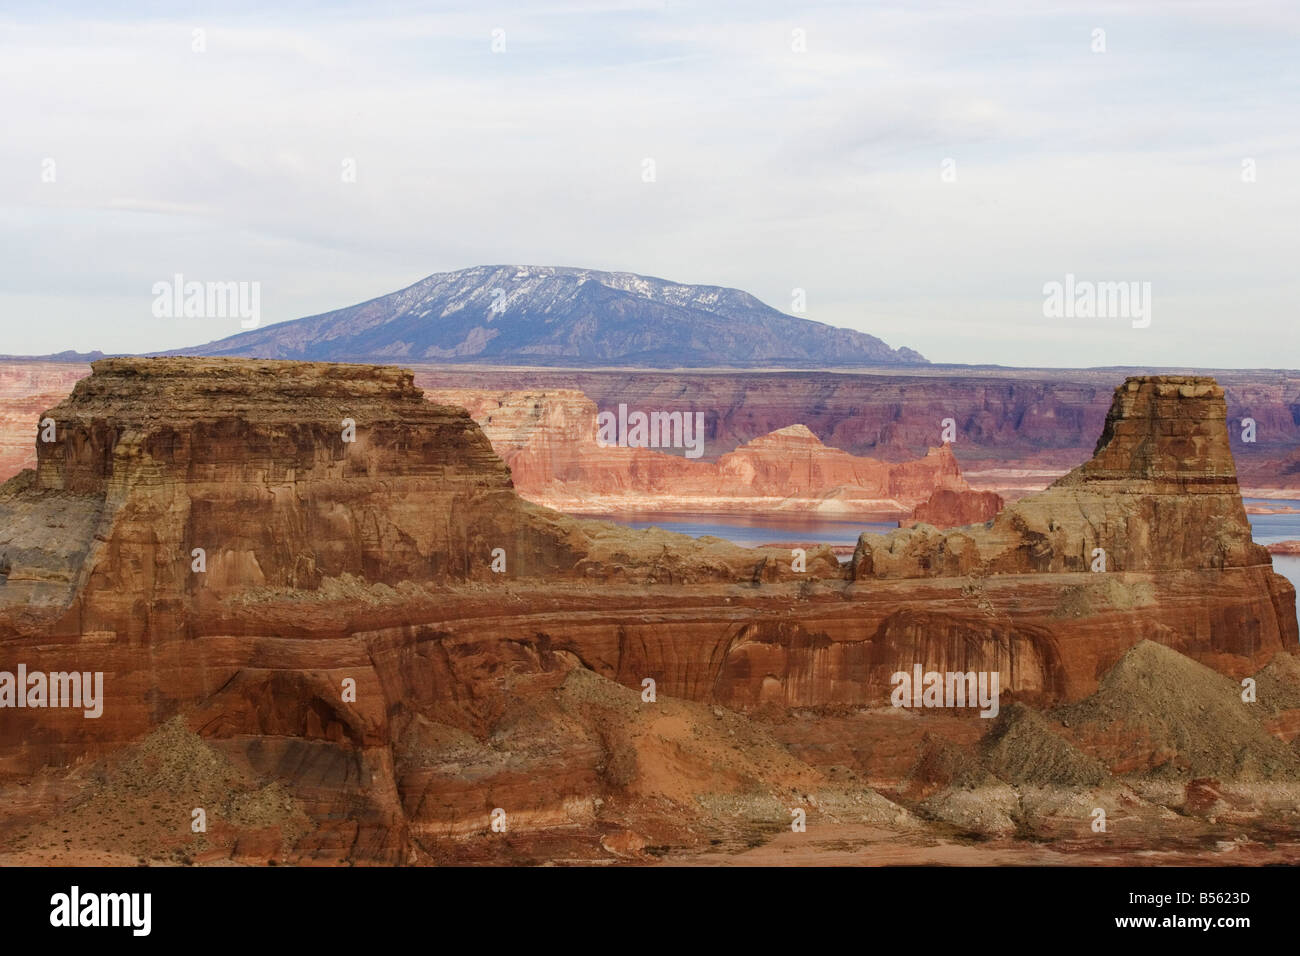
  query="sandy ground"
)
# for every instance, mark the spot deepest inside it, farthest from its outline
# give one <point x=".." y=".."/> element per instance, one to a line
<point x="855" y="845"/>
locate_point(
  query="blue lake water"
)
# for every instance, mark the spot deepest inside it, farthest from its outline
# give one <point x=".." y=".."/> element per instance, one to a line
<point x="751" y="531"/>
<point x="754" y="530"/>
<point x="1267" y="529"/>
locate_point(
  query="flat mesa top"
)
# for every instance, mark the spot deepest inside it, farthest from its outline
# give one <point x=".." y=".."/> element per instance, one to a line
<point x="1200" y="384"/>
<point x="175" y="388"/>
<point x="173" y="366"/>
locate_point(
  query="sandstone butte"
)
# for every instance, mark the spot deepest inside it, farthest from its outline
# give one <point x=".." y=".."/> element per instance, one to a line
<point x="1018" y="429"/>
<point x="549" y="441"/>
<point x="371" y="561"/>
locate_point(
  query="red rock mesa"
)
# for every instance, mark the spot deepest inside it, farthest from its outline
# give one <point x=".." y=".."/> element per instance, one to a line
<point x="383" y="642"/>
<point x="549" y="440"/>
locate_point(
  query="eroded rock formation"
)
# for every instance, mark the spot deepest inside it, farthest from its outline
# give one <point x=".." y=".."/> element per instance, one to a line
<point x="550" y="441"/>
<point x="361" y="684"/>
<point x="951" y="508"/>
<point x="26" y="389"/>
<point x="1016" y="428"/>
<point x="1159" y="494"/>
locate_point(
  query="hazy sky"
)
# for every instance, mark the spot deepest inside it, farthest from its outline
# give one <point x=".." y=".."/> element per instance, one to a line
<point x="775" y="168"/>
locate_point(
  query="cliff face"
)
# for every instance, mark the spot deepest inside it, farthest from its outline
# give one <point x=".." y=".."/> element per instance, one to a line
<point x="794" y="459"/>
<point x="951" y="508"/>
<point x="1152" y="518"/>
<point x="1159" y="494"/>
<point x="1041" y="421"/>
<point x="1017" y="429"/>
<point x="281" y="474"/>
<point x="350" y="646"/>
<point x="285" y="475"/>
<point x="892" y="417"/>
<point x="550" y="441"/>
<point x="26" y="389"/>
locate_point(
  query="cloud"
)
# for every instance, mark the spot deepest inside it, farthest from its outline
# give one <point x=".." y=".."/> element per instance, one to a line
<point x="775" y="168"/>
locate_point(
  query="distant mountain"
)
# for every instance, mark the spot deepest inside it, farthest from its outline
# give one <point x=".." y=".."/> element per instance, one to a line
<point x="69" y="356"/>
<point x="538" y="315"/>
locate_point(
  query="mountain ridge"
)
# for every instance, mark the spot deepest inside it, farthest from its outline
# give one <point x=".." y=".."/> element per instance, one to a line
<point x="561" y="316"/>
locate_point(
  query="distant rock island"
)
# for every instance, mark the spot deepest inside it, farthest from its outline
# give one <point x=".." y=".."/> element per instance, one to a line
<point x="543" y="315"/>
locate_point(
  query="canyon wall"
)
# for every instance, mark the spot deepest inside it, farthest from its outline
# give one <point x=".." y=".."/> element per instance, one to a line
<point x="948" y="508"/>
<point x="26" y="390"/>
<point x="1016" y="428"/>
<point x="1159" y="494"/>
<point x="350" y="641"/>
<point x="551" y="442"/>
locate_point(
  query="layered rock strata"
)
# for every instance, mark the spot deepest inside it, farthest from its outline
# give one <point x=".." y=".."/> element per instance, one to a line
<point x="358" y="666"/>
<point x="951" y="507"/>
<point x="1159" y="494"/>
<point x="1013" y="425"/>
<point x="26" y="389"/>
<point x="552" y="444"/>
<point x="1017" y="429"/>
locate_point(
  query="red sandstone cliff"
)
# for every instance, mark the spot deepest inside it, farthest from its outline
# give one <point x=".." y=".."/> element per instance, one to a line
<point x="26" y="389"/>
<point x="1159" y="494"/>
<point x="550" y="441"/>
<point x="951" y="508"/>
<point x="1017" y="429"/>
<point x="370" y="561"/>
<point x="1154" y="516"/>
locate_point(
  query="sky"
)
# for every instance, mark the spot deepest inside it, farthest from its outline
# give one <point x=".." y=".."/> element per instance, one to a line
<point x="917" y="170"/>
